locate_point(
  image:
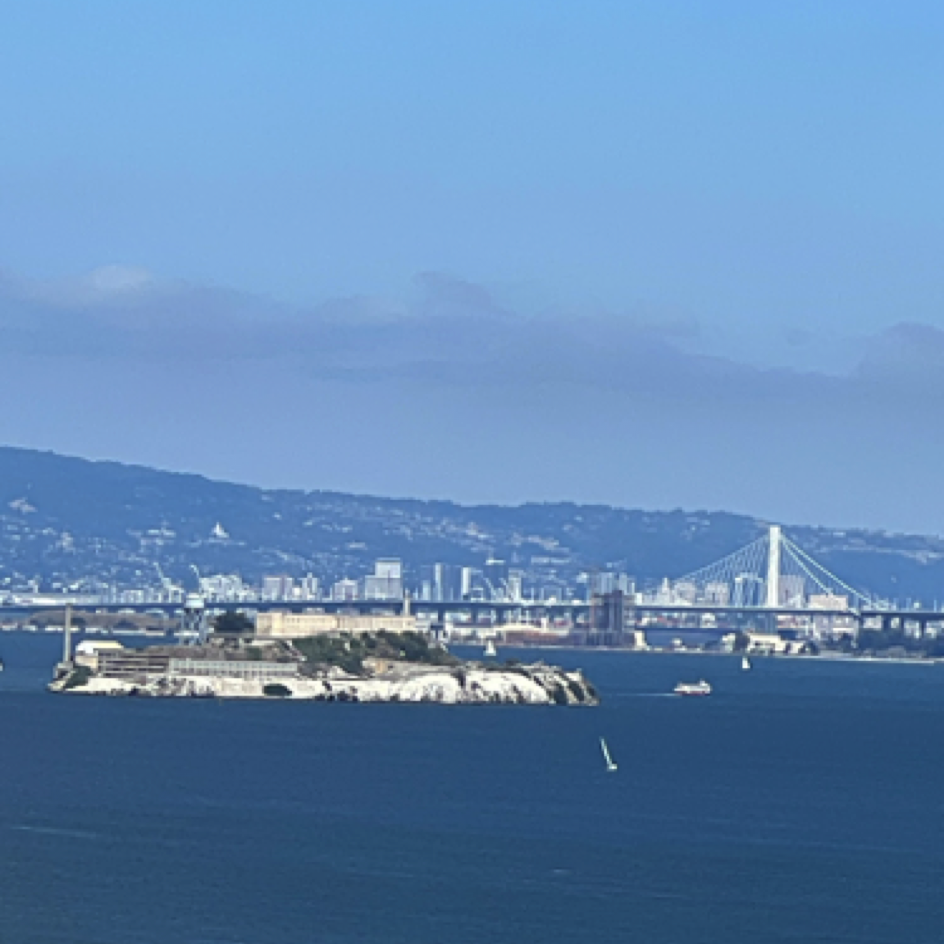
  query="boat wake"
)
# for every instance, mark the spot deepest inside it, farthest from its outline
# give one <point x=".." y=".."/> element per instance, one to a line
<point x="642" y="695"/>
<point x="56" y="831"/>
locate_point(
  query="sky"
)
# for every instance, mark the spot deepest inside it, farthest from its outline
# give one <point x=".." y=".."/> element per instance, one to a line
<point x="650" y="254"/>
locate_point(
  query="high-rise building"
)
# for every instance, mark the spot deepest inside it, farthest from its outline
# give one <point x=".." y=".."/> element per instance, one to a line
<point x="445" y="582"/>
<point x="686" y="591"/>
<point x="748" y="590"/>
<point x="792" y="590"/>
<point x="310" y="588"/>
<point x="388" y="567"/>
<point x="277" y="587"/>
<point x="495" y="573"/>
<point x="717" y="593"/>
<point x="386" y="582"/>
<point x="514" y="586"/>
<point x="439" y="590"/>
<point x="344" y="590"/>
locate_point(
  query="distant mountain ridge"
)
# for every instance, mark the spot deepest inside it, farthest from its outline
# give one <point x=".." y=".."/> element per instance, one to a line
<point x="69" y="521"/>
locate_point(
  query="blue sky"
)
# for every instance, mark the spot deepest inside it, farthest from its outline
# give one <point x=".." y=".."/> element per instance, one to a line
<point x="658" y="254"/>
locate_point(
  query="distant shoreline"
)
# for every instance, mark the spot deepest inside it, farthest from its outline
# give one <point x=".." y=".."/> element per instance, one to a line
<point x="732" y="655"/>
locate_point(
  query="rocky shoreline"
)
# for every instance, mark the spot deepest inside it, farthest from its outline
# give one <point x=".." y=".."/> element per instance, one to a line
<point x="464" y="685"/>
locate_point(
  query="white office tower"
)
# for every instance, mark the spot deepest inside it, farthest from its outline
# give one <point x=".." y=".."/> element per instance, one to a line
<point x="345" y="589"/>
<point x="278" y="587"/>
<point x="717" y="593"/>
<point x="386" y="582"/>
<point x="465" y="583"/>
<point x="515" y="586"/>
<point x="748" y="589"/>
<point x="310" y="588"/>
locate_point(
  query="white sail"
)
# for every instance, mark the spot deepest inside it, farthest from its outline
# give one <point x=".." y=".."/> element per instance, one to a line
<point x="745" y="663"/>
<point x="610" y="765"/>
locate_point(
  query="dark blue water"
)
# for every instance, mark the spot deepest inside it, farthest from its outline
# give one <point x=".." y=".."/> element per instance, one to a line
<point x="804" y="801"/>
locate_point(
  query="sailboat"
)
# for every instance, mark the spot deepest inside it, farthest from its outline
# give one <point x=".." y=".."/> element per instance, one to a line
<point x="745" y="663"/>
<point x="490" y="649"/>
<point x="610" y="763"/>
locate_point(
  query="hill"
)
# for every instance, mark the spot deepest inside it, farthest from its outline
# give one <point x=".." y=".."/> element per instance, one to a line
<point x="72" y="522"/>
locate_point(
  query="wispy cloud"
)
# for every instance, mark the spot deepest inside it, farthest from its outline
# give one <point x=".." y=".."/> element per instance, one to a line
<point x="445" y="323"/>
<point x="447" y="332"/>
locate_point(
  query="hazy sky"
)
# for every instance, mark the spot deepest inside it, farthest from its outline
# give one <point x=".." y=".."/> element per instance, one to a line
<point x="648" y="253"/>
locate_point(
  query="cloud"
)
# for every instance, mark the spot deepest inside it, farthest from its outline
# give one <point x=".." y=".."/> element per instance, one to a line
<point x="107" y="283"/>
<point x="447" y="332"/>
<point x="906" y="353"/>
<point x="451" y="391"/>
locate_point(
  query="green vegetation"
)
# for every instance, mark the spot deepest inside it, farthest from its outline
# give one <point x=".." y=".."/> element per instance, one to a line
<point x="78" y="677"/>
<point x="232" y="623"/>
<point x="276" y="690"/>
<point x="344" y="652"/>
<point x="874" y="640"/>
<point x="349" y="650"/>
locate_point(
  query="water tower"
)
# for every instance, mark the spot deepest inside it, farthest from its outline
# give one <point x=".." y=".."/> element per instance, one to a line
<point x="194" y="624"/>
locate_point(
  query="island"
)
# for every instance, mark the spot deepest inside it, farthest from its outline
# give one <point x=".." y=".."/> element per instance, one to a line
<point x="381" y="666"/>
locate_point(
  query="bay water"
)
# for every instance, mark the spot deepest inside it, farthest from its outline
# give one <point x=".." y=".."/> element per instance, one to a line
<point x="802" y="802"/>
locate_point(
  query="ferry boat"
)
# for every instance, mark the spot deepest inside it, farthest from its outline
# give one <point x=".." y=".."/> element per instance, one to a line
<point x="693" y="688"/>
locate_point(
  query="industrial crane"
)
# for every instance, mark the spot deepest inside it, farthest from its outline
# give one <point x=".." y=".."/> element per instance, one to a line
<point x="195" y="616"/>
<point x="171" y="589"/>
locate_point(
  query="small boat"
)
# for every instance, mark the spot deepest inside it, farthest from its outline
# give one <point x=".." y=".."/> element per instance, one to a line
<point x="490" y="649"/>
<point x="610" y="763"/>
<point x="746" y="664"/>
<point x="693" y="688"/>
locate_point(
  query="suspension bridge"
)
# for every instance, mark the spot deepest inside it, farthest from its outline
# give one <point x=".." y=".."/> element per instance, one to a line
<point x="772" y="572"/>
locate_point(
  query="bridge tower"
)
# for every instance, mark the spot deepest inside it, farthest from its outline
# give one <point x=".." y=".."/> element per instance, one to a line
<point x="773" y="566"/>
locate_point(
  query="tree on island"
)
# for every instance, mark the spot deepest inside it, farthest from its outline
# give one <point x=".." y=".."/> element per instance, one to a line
<point x="233" y="623"/>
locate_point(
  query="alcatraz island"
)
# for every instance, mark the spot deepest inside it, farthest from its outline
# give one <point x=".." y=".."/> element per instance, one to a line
<point x="316" y="657"/>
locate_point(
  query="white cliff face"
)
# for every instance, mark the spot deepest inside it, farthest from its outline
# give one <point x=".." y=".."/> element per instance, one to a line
<point x="466" y="686"/>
